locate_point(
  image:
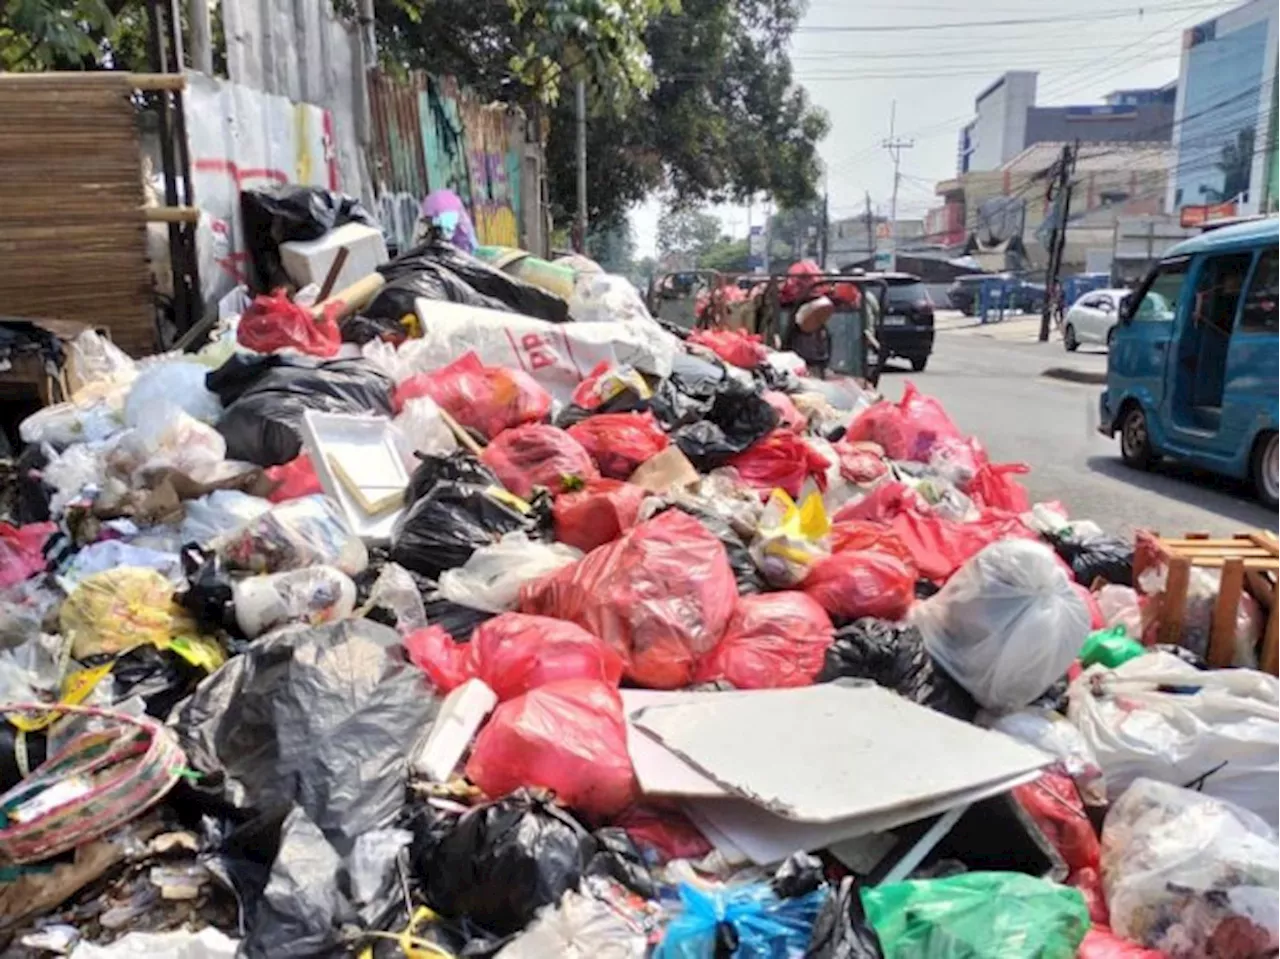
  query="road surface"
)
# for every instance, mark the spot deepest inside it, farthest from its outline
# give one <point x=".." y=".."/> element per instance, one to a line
<point x="995" y="390"/>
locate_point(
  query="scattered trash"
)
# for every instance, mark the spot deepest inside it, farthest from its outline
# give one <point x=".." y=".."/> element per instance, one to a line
<point x="772" y="640"/>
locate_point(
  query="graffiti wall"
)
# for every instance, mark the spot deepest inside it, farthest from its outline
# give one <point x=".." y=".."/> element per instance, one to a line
<point x="429" y="134"/>
<point x="240" y="138"/>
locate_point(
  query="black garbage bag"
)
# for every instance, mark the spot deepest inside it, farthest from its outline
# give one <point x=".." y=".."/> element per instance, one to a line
<point x="450" y="522"/>
<point x="33" y="751"/>
<point x="24" y="497"/>
<point x="745" y="571"/>
<point x="739" y="416"/>
<point x="265" y="397"/>
<point x="276" y="214"/>
<point x="799" y="875"/>
<point x="209" y="597"/>
<point x="360" y="329"/>
<point x="894" y="656"/>
<point x="409" y="277"/>
<point x="455" y="619"/>
<point x="1108" y="557"/>
<point x="618" y="858"/>
<point x="456" y="467"/>
<point x="160" y="677"/>
<point x="320" y="717"/>
<point x="499" y="863"/>
<point x="300" y="911"/>
<point x="841" y="930"/>
<point x="687" y="394"/>
<point x="511" y="293"/>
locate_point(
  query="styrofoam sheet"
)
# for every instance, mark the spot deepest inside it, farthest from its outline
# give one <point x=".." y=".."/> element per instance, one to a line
<point x="353" y="438"/>
<point x="659" y="771"/>
<point x="835" y="751"/>
<point x="765" y="838"/>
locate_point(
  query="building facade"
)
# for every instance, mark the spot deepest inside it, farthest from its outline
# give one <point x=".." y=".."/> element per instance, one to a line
<point x="1224" y="133"/>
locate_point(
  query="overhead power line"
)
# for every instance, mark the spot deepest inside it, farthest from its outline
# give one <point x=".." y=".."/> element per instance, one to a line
<point x="1010" y="22"/>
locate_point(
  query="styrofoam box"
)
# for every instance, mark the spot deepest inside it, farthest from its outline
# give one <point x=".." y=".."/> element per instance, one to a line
<point x="308" y="261"/>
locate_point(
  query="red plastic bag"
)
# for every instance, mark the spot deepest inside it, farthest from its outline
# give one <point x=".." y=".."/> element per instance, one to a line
<point x="1101" y="943"/>
<point x="781" y="460"/>
<point x="293" y="479"/>
<point x="275" y="322"/>
<point x="788" y="416"/>
<point x="620" y="442"/>
<point x="941" y="546"/>
<point x="1096" y="618"/>
<point x="745" y="350"/>
<point x="909" y="429"/>
<point x="667" y="833"/>
<point x="22" y="551"/>
<point x="439" y="655"/>
<point x="514" y="653"/>
<point x="994" y="487"/>
<point x="569" y="737"/>
<point x="860" y="464"/>
<point x="849" y="535"/>
<point x="1054" y="802"/>
<point x="537" y="455"/>
<point x="661" y="595"/>
<point x="856" y="583"/>
<point x="488" y="399"/>
<point x="773" y="640"/>
<point x="598" y="513"/>
<point x="882" y="504"/>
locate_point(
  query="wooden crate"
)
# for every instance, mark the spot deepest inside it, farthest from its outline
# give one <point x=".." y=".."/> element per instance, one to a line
<point x="1247" y="561"/>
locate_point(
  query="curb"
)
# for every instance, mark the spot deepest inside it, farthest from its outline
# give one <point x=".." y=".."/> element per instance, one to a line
<point x="1075" y="376"/>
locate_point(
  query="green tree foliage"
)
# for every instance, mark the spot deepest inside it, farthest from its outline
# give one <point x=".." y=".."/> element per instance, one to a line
<point x="686" y="233"/>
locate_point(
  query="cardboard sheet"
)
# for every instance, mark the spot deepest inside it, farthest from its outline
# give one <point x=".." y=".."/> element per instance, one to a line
<point x="836" y="751"/>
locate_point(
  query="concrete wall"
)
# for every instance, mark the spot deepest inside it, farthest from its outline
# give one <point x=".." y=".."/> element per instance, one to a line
<point x="1146" y="122"/>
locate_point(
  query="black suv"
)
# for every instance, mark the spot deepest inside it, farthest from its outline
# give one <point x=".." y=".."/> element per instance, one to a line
<point x="906" y="319"/>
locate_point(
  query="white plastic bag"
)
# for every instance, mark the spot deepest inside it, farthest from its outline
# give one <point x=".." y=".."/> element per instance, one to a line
<point x="557" y="355"/>
<point x="318" y="594"/>
<point x="208" y="943"/>
<point x="94" y="359"/>
<point x="1191" y="875"/>
<point x="171" y="382"/>
<point x="1007" y="625"/>
<point x="1054" y="734"/>
<point x="63" y="424"/>
<point x="1197" y="619"/>
<point x="421" y="429"/>
<point x="578" y="927"/>
<point x="604" y="297"/>
<point x="110" y="553"/>
<point x="1121" y="606"/>
<point x="72" y="472"/>
<point x="171" y="439"/>
<point x="395" y="591"/>
<point x="491" y="578"/>
<point x="1157" y="717"/>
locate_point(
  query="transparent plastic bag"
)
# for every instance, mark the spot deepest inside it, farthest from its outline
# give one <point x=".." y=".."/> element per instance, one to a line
<point x="219" y="513"/>
<point x="171" y="439"/>
<point x="318" y="594"/>
<point x="1007" y="625"/>
<point x="421" y="429"/>
<point x="118" y="609"/>
<point x="293" y="535"/>
<point x="1197" y="618"/>
<point x="578" y="927"/>
<point x="94" y="359"/>
<point x="1157" y="717"/>
<point x="1121" y="606"/>
<point x="171" y="382"/>
<point x="64" y="424"/>
<point x="1054" y="734"/>
<point x="70" y="473"/>
<point x="394" y="590"/>
<point x="602" y="297"/>
<point x="491" y="578"/>
<point x="1191" y="875"/>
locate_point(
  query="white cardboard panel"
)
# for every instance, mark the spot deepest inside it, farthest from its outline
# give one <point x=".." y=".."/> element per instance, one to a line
<point x="835" y="751"/>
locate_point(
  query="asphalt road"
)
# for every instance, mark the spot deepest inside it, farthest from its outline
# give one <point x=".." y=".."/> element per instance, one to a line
<point x="995" y="390"/>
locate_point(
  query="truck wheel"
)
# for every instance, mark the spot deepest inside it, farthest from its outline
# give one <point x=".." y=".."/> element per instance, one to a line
<point x="1135" y="439"/>
<point x="1264" y="467"/>
<point x="1069" y="339"/>
<point x="918" y="363"/>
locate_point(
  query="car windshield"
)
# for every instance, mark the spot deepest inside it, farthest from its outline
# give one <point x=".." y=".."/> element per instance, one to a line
<point x="907" y="294"/>
<point x="1161" y="299"/>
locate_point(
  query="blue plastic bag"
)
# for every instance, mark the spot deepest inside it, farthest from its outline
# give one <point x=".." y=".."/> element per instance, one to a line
<point x="764" y="926"/>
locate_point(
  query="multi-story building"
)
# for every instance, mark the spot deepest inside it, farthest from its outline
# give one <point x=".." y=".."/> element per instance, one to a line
<point x="1224" y="131"/>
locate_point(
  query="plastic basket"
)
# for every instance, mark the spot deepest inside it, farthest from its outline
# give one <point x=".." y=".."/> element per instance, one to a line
<point x="131" y="762"/>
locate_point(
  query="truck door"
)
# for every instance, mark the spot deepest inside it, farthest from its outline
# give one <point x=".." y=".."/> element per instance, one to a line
<point x="1249" y="392"/>
<point x="1137" y="360"/>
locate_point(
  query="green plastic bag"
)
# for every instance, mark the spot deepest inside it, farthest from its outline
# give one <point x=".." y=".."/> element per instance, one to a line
<point x="977" y="915"/>
<point x="1111" y="647"/>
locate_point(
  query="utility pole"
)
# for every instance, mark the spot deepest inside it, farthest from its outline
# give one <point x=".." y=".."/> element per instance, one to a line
<point x="580" y="95"/>
<point x="1060" y="193"/>
<point x="823" y="239"/>
<point x="871" y="230"/>
<point x="768" y="231"/>
<point x="895" y="147"/>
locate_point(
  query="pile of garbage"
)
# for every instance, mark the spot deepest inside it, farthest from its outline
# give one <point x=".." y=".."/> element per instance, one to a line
<point x="492" y="622"/>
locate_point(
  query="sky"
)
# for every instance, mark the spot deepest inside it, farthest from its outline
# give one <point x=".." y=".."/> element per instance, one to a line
<point x="856" y="57"/>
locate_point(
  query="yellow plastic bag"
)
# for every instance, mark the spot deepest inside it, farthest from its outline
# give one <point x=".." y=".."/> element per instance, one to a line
<point x="118" y="609"/>
<point x="790" y="538"/>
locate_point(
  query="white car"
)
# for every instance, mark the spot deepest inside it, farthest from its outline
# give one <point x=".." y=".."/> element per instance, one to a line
<point x="1092" y="318"/>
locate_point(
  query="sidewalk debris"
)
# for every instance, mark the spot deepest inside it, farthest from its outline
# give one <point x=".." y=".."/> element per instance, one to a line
<point x="511" y="622"/>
